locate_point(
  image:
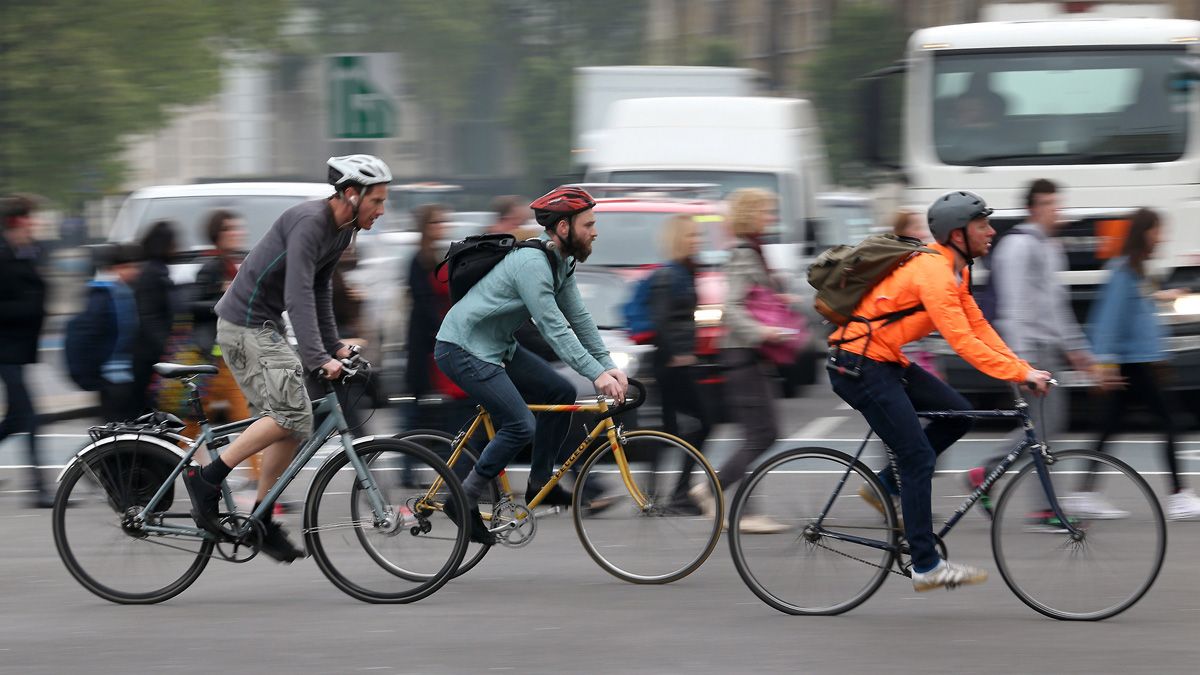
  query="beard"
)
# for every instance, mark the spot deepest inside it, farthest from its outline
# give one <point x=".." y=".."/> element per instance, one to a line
<point x="579" y="247"/>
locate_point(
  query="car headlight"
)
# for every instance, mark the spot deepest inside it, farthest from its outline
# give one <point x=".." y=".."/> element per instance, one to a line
<point x="1187" y="304"/>
<point x="708" y="315"/>
<point x="623" y="359"/>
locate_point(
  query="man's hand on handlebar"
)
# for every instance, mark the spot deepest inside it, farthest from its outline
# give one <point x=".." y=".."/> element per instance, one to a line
<point x="608" y="385"/>
<point x="622" y="380"/>
<point x="1038" y="381"/>
<point x="332" y="369"/>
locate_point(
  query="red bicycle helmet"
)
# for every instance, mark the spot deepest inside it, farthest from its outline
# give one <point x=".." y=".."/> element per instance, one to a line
<point x="562" y="201"/>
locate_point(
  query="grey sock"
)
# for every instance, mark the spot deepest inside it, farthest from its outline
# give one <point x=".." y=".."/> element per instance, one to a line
<point x="474" y="485"/>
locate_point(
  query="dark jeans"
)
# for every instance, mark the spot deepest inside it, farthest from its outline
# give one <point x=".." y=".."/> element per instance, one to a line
<point x="751" y="400"/>
<point x="503" y="391"/>
<point x="20" y="417"/>
<point x="681" y="395"/>
<point x="889" y="395"/>
<point x="1145" y="387"/>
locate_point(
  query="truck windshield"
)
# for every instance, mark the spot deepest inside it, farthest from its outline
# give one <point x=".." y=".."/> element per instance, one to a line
<point x="1066" y="107"/>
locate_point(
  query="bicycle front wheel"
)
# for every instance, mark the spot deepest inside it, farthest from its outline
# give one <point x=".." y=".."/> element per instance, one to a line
<point x="102" y="543"/>
<point x="822" y="496"/>
<point x="666" y="537"/>
<point x="399" y="554"/>
<point x="442" y="444"/>
<point x="1101" y="570"/>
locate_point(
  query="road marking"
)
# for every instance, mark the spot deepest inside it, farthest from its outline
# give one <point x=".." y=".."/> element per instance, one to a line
<point x="817" y="428"/>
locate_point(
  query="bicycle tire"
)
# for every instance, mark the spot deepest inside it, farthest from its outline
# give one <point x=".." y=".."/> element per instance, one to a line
<point x="793" y="483"/>
<point x="432" y="437"/>
<point x="653" y="524"/>
<point x="124" y="475"/>
<point x="327" y="531"/>
<point x="1139" y="538"/>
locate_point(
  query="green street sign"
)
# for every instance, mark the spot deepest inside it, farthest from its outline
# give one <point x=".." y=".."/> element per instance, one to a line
<point x="361" y="102"/>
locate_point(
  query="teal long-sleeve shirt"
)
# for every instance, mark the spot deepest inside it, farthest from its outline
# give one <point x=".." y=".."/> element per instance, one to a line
<point x="518" y="287"/>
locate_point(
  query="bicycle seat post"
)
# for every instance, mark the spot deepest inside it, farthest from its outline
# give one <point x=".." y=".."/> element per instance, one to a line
<point x="194" y="401"/>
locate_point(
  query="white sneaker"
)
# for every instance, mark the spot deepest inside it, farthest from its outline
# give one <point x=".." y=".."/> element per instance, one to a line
<point x="1091" y="505"/>
<point x="757" y="523"/>
<point x="703" y="497"/>
<point x="948" y="575"/>
<point x="1183" y="505"/>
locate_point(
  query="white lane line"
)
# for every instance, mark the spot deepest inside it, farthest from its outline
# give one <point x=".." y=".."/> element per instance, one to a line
<point x="818" y="427"/>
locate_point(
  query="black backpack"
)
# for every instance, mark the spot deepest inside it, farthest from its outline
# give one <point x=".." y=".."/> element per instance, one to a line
<point x="84" y="356"/>
<point x="470" y="259"/>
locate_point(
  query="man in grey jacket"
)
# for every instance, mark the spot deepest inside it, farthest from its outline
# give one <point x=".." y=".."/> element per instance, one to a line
<point x="290" y="270"/>
<point x="1033" y="307"/>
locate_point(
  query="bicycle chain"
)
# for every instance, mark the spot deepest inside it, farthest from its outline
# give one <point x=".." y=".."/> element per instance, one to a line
<point x="865" y="562"/>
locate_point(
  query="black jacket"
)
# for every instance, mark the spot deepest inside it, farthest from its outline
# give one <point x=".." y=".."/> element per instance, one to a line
<point x="22" y="303"/>
<point x="209" y="287"/>
<point x="154" y="291"/>
<point x="673" y="311"/>
<point x="427" y="309"/>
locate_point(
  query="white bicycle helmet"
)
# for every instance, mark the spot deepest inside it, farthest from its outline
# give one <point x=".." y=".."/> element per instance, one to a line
<point x="364" y="170"/>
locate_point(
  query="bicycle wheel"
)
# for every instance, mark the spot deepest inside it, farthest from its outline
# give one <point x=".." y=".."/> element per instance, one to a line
<point x="1099" y="573"/>
<point x="98" y="540"/>
<point x="806" y="569"/>
<point x="441" y="444"/>
<point x="668" y="538"/>
<point x="409" y="553"/>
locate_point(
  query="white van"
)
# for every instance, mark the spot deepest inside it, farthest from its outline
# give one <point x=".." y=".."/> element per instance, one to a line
<point x="732" y="141"/>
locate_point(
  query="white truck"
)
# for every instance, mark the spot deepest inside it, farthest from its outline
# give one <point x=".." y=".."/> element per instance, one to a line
<point x="1102" y="106"/>
<point x="598" y="87"/>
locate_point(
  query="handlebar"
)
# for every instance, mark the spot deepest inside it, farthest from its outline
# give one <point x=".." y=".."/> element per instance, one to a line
<point x="628" y="405"/>
<point x="352" y="366"/>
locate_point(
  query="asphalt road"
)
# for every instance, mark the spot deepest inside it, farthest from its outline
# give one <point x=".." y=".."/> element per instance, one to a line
<point x="549" y="608"/>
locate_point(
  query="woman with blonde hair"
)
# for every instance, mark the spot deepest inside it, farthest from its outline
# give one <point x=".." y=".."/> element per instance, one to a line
<point x="748" y="389"/>
<point x="672" y="308"/>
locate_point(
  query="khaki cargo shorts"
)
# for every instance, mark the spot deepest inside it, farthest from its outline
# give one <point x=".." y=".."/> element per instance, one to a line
<point x="269" y="373"/>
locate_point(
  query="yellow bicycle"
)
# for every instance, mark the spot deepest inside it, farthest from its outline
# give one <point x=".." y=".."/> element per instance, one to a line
<point x="644" y="531"/>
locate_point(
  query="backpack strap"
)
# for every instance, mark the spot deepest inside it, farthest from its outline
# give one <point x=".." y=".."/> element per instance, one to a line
<point x="551" y="259"/>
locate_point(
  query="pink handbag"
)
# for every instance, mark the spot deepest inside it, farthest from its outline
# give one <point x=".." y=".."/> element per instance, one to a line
<point x="768" y="308"/>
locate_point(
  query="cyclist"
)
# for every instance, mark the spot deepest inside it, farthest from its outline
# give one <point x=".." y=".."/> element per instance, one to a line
<point x="477" y="350"/>
<point x="875" y="378"/>
<point x="289" y="270"/>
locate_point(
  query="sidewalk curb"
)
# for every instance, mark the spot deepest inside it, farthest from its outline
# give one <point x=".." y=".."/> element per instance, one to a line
<point x="68" y="414"/>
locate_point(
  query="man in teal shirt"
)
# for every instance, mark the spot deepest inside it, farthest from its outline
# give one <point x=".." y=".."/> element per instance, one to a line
<point x="476" y="348"/>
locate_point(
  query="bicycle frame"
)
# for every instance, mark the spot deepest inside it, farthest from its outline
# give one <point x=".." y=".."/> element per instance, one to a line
<point x="604" y="427"/>
<point x="1041" y="457"/>
<point x="326" y="410"/>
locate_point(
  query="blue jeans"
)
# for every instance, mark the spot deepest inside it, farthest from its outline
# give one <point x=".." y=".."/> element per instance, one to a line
<point x="502" y="391"/>
<point x="889" y="395"/>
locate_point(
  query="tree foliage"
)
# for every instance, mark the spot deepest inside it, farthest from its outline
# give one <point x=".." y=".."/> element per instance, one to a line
<point x="863" y="37"/>
<point x="76" y="76"/>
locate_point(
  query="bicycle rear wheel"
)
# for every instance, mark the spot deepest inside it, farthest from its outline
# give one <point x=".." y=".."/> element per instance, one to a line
<point x="667" y="539"/>
<point x="404" y="555"/>
<point x="100" y="542"/>
<point x="1102" y="571"/>
<point x="807" y="569"/>
<point x="441" y="444"/>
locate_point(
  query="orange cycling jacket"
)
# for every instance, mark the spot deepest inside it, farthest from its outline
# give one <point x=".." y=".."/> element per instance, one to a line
<point x="929" y="280"/>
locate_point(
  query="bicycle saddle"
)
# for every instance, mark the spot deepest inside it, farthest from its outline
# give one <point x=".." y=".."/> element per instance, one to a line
<point x="176" y="370"/>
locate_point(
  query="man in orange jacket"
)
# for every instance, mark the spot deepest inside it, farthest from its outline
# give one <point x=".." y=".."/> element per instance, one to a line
<point x="876" y="379"/>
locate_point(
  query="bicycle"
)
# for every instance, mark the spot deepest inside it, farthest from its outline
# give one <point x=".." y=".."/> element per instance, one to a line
<point x="118" y="536"/>
<point x="637" y="536"/>
<point x="1074" y="568"/>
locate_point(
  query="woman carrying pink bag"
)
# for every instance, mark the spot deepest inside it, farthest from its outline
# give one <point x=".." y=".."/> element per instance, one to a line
<point x="747" y="339"/>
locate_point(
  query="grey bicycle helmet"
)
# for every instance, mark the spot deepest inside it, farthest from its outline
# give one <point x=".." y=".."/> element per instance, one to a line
<point x="952" y="211"/>
<point x="364" y="170"/>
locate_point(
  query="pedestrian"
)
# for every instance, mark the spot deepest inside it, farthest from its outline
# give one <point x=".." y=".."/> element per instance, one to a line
<point x="112" y="325"/>
<point x="22" y="310"/>
<point x="347" y="315"/>
<point x="672" y="304"/>
<point x="512" y="216"/>
<point x="748" y="388"/>
<point x="1033" y="316"/>
<point x="154" y="292"/>
<point x="225" y="230"/>
<point x="1129" y="338"/>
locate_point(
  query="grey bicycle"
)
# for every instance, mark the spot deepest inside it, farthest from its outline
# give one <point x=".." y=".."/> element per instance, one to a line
<point x="121" y="516"/>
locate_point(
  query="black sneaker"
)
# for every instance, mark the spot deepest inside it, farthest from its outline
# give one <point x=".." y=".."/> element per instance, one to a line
<point x="206" y="500"/>
<point x="557" y="496"/>
<point x="276" y="544"/>
<point x="479" y="530"/>
<point x="682" y="505"/>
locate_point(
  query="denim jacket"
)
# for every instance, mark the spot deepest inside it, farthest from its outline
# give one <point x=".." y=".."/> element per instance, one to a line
<point x="1123" y="322"/>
